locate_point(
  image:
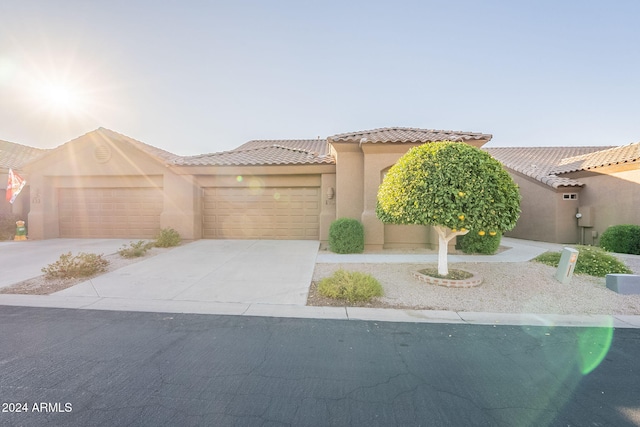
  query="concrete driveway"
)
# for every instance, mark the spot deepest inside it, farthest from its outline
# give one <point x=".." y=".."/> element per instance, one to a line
<point x="24" y="260"/>
<point x="239" y="271"/>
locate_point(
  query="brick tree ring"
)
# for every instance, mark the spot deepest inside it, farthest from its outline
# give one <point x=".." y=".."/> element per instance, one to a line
<point x="474" y="280"/>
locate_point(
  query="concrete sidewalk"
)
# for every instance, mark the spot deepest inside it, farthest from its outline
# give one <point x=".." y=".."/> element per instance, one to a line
<point x="250" y="278"/>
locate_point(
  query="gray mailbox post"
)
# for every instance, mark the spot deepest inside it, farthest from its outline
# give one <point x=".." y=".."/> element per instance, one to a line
<point x="567" y="264"/>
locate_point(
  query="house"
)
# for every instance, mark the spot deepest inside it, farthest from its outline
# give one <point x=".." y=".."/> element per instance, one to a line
<point x="573" y="194"/>
<point x="105" y="184"/>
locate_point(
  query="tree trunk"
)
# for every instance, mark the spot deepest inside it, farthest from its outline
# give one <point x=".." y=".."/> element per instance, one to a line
<point x="443" y="246"/>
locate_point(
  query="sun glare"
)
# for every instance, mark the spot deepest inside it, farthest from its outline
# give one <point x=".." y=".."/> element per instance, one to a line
<point x="58" y="98"/>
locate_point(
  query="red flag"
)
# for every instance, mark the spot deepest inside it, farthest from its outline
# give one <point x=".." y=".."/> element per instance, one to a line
<point x="15" y="185"/>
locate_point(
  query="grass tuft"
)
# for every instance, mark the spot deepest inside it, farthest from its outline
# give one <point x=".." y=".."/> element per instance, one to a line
<point x="350" y="285"/>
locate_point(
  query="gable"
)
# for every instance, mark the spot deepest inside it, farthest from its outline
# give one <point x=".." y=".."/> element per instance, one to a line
<point x="98" y="153"/>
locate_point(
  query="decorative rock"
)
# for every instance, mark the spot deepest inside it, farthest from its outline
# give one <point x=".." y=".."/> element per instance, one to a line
<point x="626" y="284"/>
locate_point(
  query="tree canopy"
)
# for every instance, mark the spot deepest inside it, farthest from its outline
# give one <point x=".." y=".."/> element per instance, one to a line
<point x="449" y="185"/>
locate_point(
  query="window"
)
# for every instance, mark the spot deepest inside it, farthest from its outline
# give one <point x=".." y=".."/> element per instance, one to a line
<point x="570" y="196"/>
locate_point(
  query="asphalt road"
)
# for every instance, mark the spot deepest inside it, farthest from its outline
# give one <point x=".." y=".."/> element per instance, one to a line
<point x="99" y="368"/>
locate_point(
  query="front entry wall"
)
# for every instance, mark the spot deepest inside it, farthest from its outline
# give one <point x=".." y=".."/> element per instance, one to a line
<point x="109" y="212"/>
<point x="261" y="213"/>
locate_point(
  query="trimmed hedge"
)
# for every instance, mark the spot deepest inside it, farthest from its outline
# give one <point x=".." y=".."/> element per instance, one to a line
<point x="477" y="242"/>
<point x="346" y="236"/>
<point x="623" y="239"/>
<point x="7" y="225"/>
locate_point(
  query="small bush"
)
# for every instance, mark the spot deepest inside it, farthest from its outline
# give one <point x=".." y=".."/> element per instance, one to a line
<point x="8" y="225"/>
<point x="136" y="249"/>
<point x="81" y="265"/>
<point x="350" y="285"/>
<point x="623" y="239"/>
<point x="479" y="242"/>
<point x="591" y="260"/>
<point x="167" y="237"/>
<point x="346" y="236"/>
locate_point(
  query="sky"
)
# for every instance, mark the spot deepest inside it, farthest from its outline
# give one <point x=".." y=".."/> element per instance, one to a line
<point x="196" y="77"/>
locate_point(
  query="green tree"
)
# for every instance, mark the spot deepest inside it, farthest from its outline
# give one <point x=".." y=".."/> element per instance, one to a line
<point x="452" y="186"/>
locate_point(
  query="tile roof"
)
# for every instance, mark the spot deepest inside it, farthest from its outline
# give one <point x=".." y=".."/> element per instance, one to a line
<point x="407" y="135"/>
<point x="543" y="163"/>
<point x="266" y="152"/>
<point x="156" y="152"/>
<point x="15" y="156"/>
<point x="606" y="157"/>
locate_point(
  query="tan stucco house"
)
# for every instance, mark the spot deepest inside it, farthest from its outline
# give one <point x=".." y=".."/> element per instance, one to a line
<point x="600" y="185"/>
<point x="104" y="184"/>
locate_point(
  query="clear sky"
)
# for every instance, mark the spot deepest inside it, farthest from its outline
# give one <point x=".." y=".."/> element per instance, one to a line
<point x="203" y="76"/>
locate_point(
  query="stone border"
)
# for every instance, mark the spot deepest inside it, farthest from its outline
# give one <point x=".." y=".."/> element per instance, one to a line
<point x="471" y="282"/>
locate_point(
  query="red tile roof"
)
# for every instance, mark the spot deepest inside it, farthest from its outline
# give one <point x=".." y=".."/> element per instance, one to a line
<point x="407" y="135"/>
<point x="266" y="152"/>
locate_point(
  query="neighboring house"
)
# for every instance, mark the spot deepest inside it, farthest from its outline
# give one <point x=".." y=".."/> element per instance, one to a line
<point x="15" y="156"/>
<point x="104" y="184"/>
<point x="601" y="184"/>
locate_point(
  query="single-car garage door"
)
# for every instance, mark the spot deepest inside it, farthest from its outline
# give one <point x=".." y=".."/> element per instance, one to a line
<point x="264" y="213"/>
<point x="109" y="212"/>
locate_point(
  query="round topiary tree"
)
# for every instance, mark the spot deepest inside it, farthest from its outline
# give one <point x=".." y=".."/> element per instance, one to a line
<point x="452" y="186"/>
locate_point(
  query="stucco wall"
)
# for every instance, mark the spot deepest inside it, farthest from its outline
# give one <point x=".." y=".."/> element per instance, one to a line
<point x="614" y="198"/>
<point x="538" y="211"/>
<point x="87" y="162"/>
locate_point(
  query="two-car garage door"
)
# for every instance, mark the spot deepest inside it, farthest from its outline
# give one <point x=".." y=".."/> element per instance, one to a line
<point x="109" y="212"/>
<point x="261" y="213"/>
<point x="228" y="213"/>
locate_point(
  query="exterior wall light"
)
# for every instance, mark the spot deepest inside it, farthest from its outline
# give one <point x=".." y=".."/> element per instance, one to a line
<point x="330" y="193"/>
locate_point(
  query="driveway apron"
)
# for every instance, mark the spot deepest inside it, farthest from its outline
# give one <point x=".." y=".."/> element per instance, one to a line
<point x="244" y="271"/>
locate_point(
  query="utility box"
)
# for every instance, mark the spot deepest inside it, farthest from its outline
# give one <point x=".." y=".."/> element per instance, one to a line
<point x="566" y="266"/>
<point x="586" y="216"/>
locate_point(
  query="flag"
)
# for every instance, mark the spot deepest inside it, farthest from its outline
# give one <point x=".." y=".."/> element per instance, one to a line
<point x="15" y="185"/>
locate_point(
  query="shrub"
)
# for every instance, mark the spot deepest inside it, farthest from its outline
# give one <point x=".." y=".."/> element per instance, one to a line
<point x="623" y="239"/>
<point x="346" y="236"/>
<point x="7" y="225"/>
<point x="350" y="286"/>
<point x="136" y="249"/>
<point x="81" y="265"/>
<point x="167" y="237"/>
<point x="591" y="260"/>
<point x="479" y="242"/>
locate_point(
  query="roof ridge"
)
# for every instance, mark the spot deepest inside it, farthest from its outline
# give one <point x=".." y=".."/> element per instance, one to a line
<point x="245" y="150"/>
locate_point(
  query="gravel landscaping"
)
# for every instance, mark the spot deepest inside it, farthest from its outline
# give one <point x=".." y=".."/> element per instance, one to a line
<point x="522" y="287"/>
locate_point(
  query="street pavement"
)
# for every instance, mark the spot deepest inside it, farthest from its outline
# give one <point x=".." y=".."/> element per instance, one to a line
<point x="67" y="367"/>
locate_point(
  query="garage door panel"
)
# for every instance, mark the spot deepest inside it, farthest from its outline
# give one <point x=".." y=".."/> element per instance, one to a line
<point x="265" y="213"/>
<point x="109" y="213"/>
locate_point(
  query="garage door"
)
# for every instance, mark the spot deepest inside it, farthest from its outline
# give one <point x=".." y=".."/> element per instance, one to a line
<point x="265" y="213"/>
<point x="109" y="212"/>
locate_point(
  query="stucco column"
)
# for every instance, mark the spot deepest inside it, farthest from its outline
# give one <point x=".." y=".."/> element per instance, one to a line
<point x="349" y="180"/>
<point x="181" y="206"/>
<point x="328" y="204"/>
<point x="374" y="163"/>
<point x="43" y="217"/>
